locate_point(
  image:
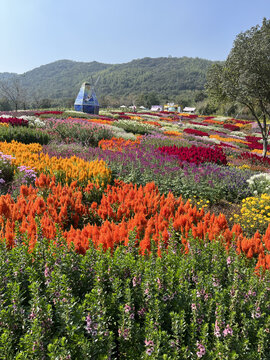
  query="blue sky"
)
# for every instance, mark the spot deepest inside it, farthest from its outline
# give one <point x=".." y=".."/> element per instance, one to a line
<point x="37" y="32"/>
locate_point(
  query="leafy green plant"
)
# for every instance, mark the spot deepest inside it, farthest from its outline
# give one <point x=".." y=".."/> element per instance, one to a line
<point x="7" y="171"/>
<point x="135" y="126"/>
<point x="259" y="183"/>
<point x="24" y="135"/>
<point x="56" y="303"/>
<point x="84" y="134"/>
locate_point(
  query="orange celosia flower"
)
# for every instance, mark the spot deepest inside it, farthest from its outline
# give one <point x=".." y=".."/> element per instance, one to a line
<point x="123" y="208"/>
<point x="117" y="144"/>
<point x="173" y="133"/>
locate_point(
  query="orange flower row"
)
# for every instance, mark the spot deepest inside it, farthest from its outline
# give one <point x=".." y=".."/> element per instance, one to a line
<point x="246" y="126"/>
<point x="155" y="123"/>
<point x="173" y="133"/>
<point x="167" y="119"/>
<point x="117" y="144"/>
<point x="228" y="139"/>
<point x="100" y="121"/>
<point x="214" y="122"/>
<point x="123" y="208"/>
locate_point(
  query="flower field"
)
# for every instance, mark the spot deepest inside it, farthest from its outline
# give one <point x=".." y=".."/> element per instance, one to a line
<point x="133" y="236"/>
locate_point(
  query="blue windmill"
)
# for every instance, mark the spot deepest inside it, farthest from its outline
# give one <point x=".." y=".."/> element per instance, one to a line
<point x="86" y="100"/>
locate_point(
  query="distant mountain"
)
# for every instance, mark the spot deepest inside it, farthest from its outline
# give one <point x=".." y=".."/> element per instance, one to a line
<point x="165" y="76"/>
<point x="7" y="75"/>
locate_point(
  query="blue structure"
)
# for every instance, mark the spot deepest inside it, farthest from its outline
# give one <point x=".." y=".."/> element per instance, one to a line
<point x="86" y="100"/>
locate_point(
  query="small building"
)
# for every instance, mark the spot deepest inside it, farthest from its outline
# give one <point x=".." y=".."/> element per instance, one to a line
<point x="86" y="100"/>
<point x="172" y="107"/>
<point x="189" y="110"/>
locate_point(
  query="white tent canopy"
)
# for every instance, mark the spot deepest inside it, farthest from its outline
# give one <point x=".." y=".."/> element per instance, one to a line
<point x="189" y="109"/>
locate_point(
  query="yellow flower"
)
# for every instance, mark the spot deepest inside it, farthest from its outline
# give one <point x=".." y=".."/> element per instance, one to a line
<point x="66" y="170"/>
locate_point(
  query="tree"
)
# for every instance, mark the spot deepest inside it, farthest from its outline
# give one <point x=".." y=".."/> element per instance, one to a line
<point x="4" y="105"/>
<point x="199" y="96"/>
<point x="12" y="90"/>
<point x="244" y="77"/>
<point x="147" y="99"/>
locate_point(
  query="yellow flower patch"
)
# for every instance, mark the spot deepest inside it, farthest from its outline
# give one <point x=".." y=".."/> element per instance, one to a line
<point x="227" y="139"/>
<point x="66" y="170"/>
<point x="253" y="213"/>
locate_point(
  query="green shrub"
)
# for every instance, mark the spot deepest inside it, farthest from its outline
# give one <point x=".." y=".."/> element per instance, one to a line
<point x="84" y="134"/>
<point x="135" y="126"/>
<point x="7" y="171"/>
<point x="76" y="114"/>
<point x="24" y="135"/>
<point x="259" y="183"/>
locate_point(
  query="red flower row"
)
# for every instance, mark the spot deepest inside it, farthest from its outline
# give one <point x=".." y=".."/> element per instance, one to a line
<point x="196" y="132"/>
<point x="231" y="127"/>
<point x="189" y="116"/>
<point x="254" y="158"/>
<point x="196" y="154"/>
<point x="49" y="112"/>
<point x="253" y="143"/>
<point x="125" y="117"/>
<point x="198" y="123"/>
<point x="14" y="121"/>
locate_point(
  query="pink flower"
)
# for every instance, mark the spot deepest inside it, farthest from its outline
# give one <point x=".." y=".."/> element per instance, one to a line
<point x="201" y="350"/>
<point x="227" y="331"/>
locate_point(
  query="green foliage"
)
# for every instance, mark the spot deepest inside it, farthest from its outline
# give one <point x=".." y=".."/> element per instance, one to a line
<point x="259" y="183"/>
<point x="4" y="105"/>
<point x="57" y="304"/>
<point x="24" y="135"/>
<point x="245" y="76"/>
<point x="135" y="127"/>
<point x="12" y="177"/>
<point x="84" y="135"/>
<point x="168" y="77"/>
<point x="147" y="100"/>
<point x="77" y="114"/>
<point x="7" y="172"/>
<point x="207" y="108"/>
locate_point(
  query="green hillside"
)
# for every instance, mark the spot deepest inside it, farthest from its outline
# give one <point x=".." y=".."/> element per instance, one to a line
<point x="166" y="77"/>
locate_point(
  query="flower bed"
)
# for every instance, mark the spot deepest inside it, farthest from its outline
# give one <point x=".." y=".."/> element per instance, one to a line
<point x="66" y="170"/>
<point x="255" y="159"/>
<point x="118" y="144"/>
<point x="152" y="275"/>
<point x="195" y="132"/>
<point x="13" y="121"/>
<point x="196" y="154"/>
<point x="231" y="127"/>
<point x="48" y="112"/>
<point x="123" y="208"/>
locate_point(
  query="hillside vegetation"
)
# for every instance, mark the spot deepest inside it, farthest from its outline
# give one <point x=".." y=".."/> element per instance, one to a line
<point x="166" y="77"/>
